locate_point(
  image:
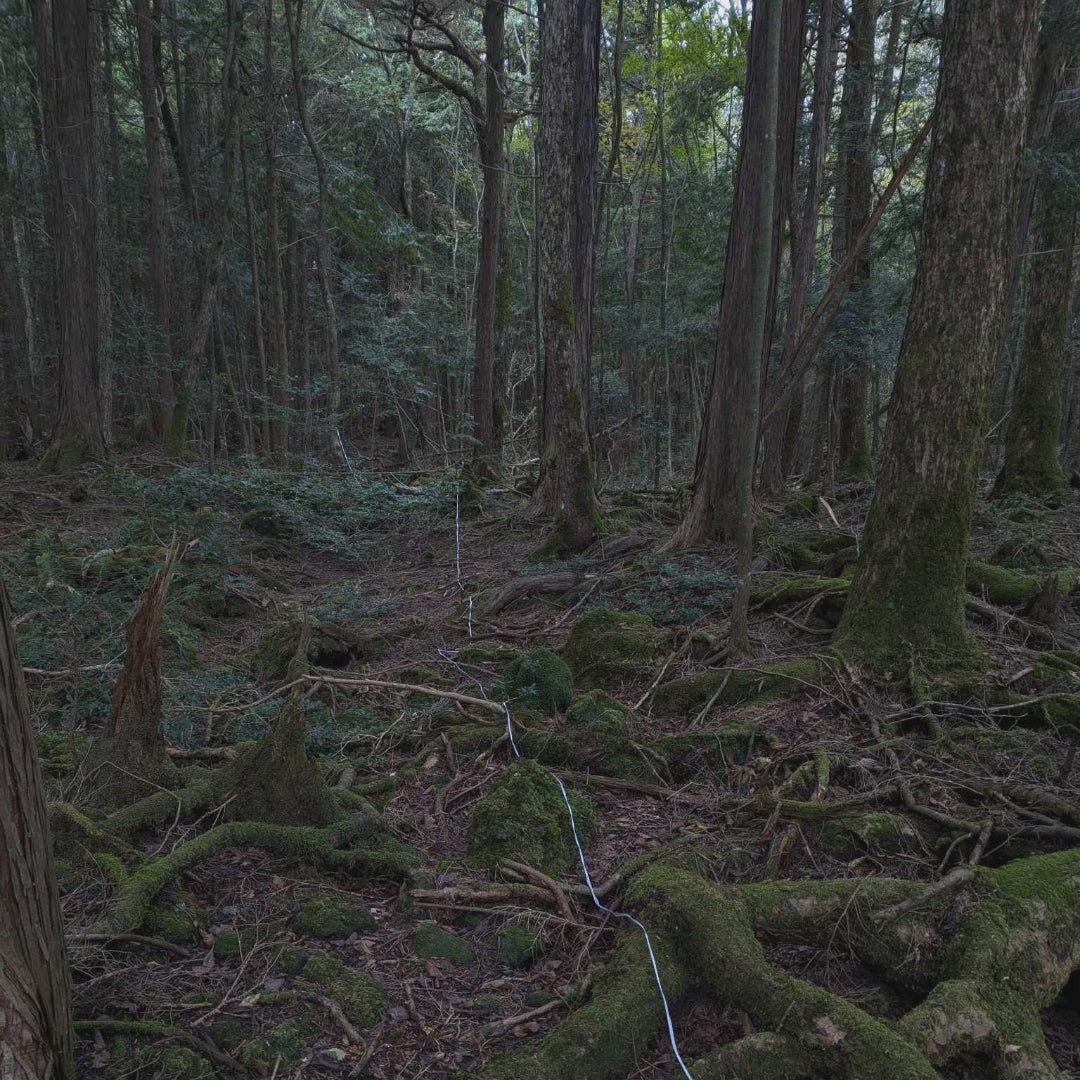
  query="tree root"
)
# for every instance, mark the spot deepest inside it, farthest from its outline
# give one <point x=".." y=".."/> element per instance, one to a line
<point x="376" y="854"/>
<point x="983" y="964"/>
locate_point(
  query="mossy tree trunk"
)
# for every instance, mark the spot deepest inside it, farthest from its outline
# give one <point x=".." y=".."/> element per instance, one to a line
<point x="1032" y="464"/>
<point x="36" y="1037"/>
<point x="569" y="45"/>
<point x="908" y="592"/>
<point x="714" y="510"/>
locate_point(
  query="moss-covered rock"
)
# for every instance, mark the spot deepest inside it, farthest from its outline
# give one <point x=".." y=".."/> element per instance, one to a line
<point x="360" y="995"/>
<point x="539" y="680"/>
<point x="433" y="942"/>
<point x="523" y="817"/>
<point x="279" y="1047"/>
<point x="608" y="648"/>
<point x="227" y="1033"/>
<point x="330" y="919"/>
<point x="520" y="945"/>
<point x="726" y="687"/>
<point x="232" y="943"/>
<point x="599" y="711"/>
<point x="685" y="755"/>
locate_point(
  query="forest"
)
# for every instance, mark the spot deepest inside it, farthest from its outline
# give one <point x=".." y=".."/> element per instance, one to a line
<point x="539" y="540"/>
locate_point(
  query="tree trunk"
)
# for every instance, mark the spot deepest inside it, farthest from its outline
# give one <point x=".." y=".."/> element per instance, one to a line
<point x="67" y="56"/>
<point x="713" y="510"/>
<point x="757" y="316"/>
<point x="161" y="352"/>
<point x="490" y="297"/>
<point x="569" y="45"/>
<point x="852" y="358"/>
<point x="908" y="594"/>
<point x="37" y="1041"/>
<point x="1032" y="465"/>
<point x="783" y="436"/>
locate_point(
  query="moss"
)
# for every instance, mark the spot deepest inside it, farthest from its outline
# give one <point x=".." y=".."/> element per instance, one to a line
<point x="608" y="648"/>
<point x="62" y="752"/>
<point x="328" y="646"/>
<point x="291" y="961"/>
<point x="598" y="711"/>
<point x="523" y="817"/>
<point x="876" y="832"/>
<point x="535" y="998"/>
<point x="487" y="652"/>
<point x="316" y="847"/>
<point x="180" y="1063"/>
<point x="772" y="590"/>
<point x="230" y="944"/>
<point x="1010" y="587"/>
<point x="685" y="754"/>
<point x="519" y="945"/>
<point x="329" y="919"/>
<point x="432" y="942"/>
<point x="733" y="686"/>
<point x="1020" y="551"/>
<point x="280" y="1047"/>
<point x="539" y="680"/>
<point x="174" y="923"/>
<point x="486" y="1005"/>
<point x="227" y="1033"/>
<point x="360" y="995"/>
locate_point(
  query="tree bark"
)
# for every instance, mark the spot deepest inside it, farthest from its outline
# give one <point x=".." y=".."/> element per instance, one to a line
<point x="491" y="285"/>
<point x="907" y="597"/>
<point x="1031" y="465"/>
<point x="783" y="436"/>
<point x="713" y="510"/>
<point x="569" y="45"/>
<point x="67" y="55"/>
<point x="37" y="1040"/>
<point x="161" y="351"/>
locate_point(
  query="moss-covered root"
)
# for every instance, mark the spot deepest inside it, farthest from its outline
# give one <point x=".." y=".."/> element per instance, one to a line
<point x="983" y="965"/>
<point x="725" y="687"/>
<point x="202" y="789"/>
<point x="1010" y="587"/>
<point x="372" y="852"/>
<point x="607" y="1037"/>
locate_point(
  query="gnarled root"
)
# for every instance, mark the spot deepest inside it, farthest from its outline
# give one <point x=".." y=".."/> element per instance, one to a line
<point x="983" y="963"/>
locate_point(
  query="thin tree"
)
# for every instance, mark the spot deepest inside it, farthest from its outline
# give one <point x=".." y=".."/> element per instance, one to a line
<point x="37" y="1040"/>
<point x="908" y="593"/>
<point x="569" y="50"/>
<point x="1032" y="465"/>
<point x="757" y="316"/>
<point x="714" y="507"/>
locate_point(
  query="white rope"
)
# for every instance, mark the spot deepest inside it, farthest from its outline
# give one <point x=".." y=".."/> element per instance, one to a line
<point x="569" y="809"/>
<point x="603" y="907"/>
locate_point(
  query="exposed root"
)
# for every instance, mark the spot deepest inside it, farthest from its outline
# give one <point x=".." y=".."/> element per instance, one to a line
<point x="374" y="853"/>
<point x="983" y="969"/>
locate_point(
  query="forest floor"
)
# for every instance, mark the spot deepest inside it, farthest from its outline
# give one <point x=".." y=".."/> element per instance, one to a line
<point x="402" y="584"/>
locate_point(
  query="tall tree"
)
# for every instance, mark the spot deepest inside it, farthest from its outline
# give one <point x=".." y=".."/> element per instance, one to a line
<point x="69" y="55"/>
<point x="570" y="56"/>
<point x="908" y="592"/>
<point x="37" y="1041"/>
<point x="1032" y="465"/>
<point x="713" y="510"/>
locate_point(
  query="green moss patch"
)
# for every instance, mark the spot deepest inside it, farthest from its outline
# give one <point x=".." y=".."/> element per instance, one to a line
<point x="538" y="680"/>
<point x="608" y="648"/>
<point x="726" y="687"/>
<point x="330" y="919"/>
<point x="523" y="817"/>
<point x="520" y="945"/>
<point x="433" y="942"/>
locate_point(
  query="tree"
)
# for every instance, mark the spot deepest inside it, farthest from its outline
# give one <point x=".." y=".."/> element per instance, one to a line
<point x="908" y="593"/>
<point x="68" y="54"/>
<point x="714" y="508"/>
<point x="1031" y="465"/>
<point x="37" y="1041"/>
<point x="569" y="50"/>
